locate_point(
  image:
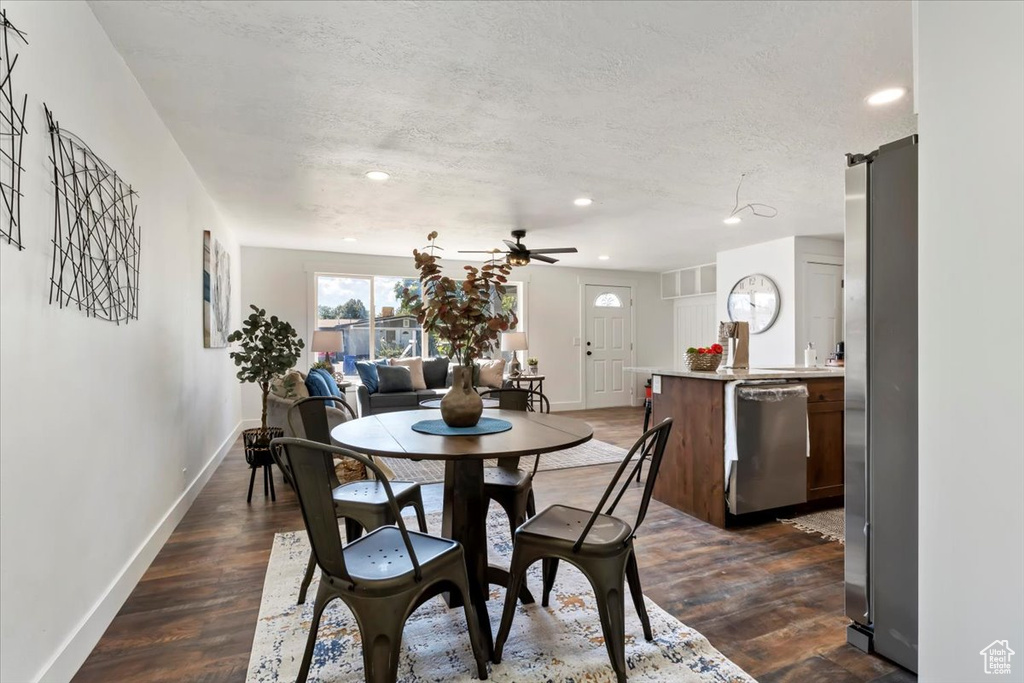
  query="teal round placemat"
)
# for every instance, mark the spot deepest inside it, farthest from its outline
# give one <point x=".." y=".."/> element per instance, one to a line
<point x="486" y="425"/>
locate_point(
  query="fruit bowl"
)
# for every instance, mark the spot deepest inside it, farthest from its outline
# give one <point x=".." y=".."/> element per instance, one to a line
<point x="702" y="362"/>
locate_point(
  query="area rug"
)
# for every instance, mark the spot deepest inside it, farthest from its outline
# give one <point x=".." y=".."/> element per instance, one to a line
<point x="592" y="452"/>
<point x="562" y="642"/>
<point x="829" y="524"/>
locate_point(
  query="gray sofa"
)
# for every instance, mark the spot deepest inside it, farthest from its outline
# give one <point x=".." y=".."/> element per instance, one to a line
<point x="436" y="376"/>
<point x="438" y="379"/>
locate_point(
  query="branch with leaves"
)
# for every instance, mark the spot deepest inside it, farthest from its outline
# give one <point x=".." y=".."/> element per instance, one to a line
<point x="463" y="314"/>
<point x="269" y="347"/>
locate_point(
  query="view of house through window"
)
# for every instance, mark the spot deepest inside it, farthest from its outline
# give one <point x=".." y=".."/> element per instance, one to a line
<point x="345" y="303"/>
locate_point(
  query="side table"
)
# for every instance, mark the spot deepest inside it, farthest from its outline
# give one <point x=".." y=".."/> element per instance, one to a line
<point x="530" y="380"/>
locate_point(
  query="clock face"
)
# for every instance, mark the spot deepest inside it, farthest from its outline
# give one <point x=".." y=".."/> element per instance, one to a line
<point x="755" y="299"/>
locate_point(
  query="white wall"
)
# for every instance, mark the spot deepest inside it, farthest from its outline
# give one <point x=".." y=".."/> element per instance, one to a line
<point x="971" y="557"/>
<point x="104" y="428"/>
<point x="776" y="259"/>
<point x="281" y="280"/>
<point x="782" y="260"/>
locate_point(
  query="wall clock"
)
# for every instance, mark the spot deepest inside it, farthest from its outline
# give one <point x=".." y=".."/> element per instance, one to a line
<point x="755" y="299"/>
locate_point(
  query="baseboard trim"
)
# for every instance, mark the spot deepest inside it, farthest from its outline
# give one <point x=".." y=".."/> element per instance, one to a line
<point x="74" y="651"/>
<point x="566" y="405"/>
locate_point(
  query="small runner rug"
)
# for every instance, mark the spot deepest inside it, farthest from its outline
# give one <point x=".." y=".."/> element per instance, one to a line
<point x="592" y="452"/>
<point x="829" y="524"/>
<point x="562" y="642"/>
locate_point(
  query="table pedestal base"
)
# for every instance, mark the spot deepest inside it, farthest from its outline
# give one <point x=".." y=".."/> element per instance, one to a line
<point x="466" y="522"/>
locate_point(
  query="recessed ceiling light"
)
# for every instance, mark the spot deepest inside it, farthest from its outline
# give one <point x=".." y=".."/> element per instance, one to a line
<point x="732" y="220"/>
<point x="886" y="96"/>
<point x="348" y="239"/>
<point x="603" y="257"/>
<point x="583" y="201"/>
<point x="377" y="175"/>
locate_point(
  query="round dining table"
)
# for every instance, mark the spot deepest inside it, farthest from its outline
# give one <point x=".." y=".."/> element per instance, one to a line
<point x="464" y="518"/>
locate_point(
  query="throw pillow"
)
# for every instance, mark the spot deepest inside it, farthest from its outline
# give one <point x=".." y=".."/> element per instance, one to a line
<point x="435" y="370"/>
<point x="393" y="378"/>
<point x="291" y="385"/>
<point x="332" y="386"/>
<point x="491" y="372"/>
<point x="316" y="385"/>
<point x="415" y="366"/>
<point x="368" y="374"/>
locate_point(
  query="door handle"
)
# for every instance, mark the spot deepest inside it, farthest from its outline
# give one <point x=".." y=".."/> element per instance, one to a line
<point x="590" y="353"/>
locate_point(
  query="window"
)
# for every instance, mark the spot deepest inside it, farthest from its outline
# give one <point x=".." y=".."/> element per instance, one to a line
<point x="607" y="300"/>
<point x="345" y="303"/>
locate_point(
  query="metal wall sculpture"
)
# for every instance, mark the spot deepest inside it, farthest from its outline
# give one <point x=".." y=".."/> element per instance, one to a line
<point x="12" y="132"/>
<point x="95" y="237"/>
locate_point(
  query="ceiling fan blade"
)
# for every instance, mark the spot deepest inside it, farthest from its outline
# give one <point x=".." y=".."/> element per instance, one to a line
<point x="557" y="250"/>
<point x="534" y="256"/>
<point x="513" y="246"/>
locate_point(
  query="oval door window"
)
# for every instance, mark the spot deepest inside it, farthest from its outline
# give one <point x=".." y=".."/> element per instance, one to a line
<point x="607" y="300"/>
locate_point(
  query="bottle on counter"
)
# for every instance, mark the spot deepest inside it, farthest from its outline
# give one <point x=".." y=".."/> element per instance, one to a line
<point x="810" y="356"/>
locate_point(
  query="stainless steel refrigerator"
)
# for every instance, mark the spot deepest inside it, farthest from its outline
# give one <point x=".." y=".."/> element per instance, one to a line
<point x="880" y="291"/>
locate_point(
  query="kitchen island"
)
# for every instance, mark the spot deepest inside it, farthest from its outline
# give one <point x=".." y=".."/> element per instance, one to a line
<point x="693" y="476"/>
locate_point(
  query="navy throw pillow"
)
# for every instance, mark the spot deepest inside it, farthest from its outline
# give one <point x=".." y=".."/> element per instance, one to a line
<point x="316" y="385"/>
<point x="368" y="375"/>
<point x="332" y="386"/>
<point x="394" y="378"/>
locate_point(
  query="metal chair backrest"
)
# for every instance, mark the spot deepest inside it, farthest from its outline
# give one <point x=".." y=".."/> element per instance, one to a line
<point x="659" y="434"/>
<point x="519" y="399"/>
<point x="312" y="411"/>
<point x="308" y="462"/>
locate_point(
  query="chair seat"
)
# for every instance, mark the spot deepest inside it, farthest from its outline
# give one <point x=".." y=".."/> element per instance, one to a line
<point x="371" y="492"/>
<point x="565" y="523"/>
<point x="381" y="555"/>
<point x="505" y="477"/>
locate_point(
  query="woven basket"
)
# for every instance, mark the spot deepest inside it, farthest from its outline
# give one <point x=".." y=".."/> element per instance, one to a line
<point x="703" y="362"/>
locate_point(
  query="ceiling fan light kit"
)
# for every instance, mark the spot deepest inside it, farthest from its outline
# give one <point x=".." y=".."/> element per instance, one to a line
<point x="519" y="255"/>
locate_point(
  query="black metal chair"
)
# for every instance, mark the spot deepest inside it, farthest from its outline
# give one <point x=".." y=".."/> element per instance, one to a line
<point x="363" y="504"/>
<point x="600" y="545"/>
<point x="506" y="484"/>
<point x="383" y="576"/>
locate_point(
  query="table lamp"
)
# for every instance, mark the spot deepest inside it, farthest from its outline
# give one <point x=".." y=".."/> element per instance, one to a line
<point x="514" y="342"/>
<point x="327" y="342"/>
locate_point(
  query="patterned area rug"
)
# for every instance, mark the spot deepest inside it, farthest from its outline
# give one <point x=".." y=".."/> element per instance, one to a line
<point x="562" y="642"/>
<point x="592" y="452"/>
<point x="829" y="524"/>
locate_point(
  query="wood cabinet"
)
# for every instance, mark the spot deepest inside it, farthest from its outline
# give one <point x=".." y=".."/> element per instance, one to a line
<point x="692" y="477"/>
<point x="825" y="426"/>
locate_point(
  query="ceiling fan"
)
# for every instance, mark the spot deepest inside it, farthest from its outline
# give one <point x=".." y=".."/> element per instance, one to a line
<point x="519" y="255"/>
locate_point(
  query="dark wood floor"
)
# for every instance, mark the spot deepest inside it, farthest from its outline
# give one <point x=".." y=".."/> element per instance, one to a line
<point x="768" y="596"/>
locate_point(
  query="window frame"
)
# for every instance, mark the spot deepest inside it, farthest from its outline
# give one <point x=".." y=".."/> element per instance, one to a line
<point x="521" y="303"/>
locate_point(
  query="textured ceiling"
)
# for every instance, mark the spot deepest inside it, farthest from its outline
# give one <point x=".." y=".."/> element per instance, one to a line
<point x="492" y="115"/>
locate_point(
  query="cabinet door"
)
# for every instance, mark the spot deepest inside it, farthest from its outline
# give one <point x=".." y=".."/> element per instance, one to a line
<point x="825" y="465"/>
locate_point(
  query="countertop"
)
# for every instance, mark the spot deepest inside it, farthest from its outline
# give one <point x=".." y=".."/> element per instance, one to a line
<point x="751" y="374"/>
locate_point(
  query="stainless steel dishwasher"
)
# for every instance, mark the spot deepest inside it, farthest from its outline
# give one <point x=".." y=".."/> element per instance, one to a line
<point x="770" y="466"/>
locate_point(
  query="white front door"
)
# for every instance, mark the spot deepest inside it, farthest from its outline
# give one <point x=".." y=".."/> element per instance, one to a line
<point x="823" y="308"/>
<point x="607" y="345"/>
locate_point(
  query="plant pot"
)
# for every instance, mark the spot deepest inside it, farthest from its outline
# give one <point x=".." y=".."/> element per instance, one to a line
<point x="462" y="406"/>
<point x="533" y="369"/>
<point x="257" y="445"/>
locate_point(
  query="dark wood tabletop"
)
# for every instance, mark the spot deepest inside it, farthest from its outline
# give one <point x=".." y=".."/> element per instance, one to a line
<point x="391" y="435"/>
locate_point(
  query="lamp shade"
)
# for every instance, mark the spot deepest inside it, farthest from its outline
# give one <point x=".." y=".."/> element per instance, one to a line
<point x="326" y="341"/>
<point x="513" y="341"/>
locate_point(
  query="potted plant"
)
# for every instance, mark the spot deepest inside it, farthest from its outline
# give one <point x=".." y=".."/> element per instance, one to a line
<point x="467" y="316"/>
<point x="269" y="347"/>
<point x="532" y="363"/>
